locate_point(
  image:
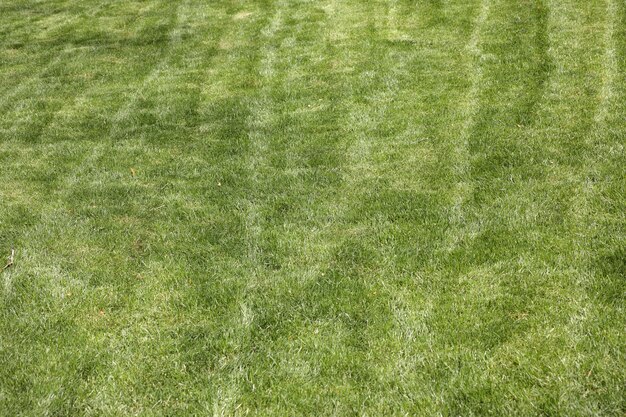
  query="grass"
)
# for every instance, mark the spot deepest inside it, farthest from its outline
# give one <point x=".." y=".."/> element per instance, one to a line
<point x="302" y="207"/>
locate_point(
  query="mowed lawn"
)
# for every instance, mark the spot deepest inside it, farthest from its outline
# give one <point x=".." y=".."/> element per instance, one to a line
<point x="298" y="207"/>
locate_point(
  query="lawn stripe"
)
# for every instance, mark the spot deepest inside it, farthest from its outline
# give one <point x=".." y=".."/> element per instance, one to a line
<point x="488" y="283"/>
<point x="300" y="208"/>
<point x="346" y="239"/>
<point x="562" y="130"/>
<point x="166" y="291"/>
<point x="259" y="119"/>
<point x="609" y="74"/>
<point x="471" y="108"/>
<point x="257" y="291"/>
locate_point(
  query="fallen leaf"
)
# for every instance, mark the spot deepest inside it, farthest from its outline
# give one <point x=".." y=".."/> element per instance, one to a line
<point x="242" y="15"/>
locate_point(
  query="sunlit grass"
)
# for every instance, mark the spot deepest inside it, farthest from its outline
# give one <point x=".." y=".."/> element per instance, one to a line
<point x="313" y="207"/>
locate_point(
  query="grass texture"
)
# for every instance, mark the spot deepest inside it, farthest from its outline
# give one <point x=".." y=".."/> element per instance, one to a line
<point x="297" y="207"/>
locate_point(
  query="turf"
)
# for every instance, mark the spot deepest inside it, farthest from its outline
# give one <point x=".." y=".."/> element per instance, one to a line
<point x="296" y="207"/>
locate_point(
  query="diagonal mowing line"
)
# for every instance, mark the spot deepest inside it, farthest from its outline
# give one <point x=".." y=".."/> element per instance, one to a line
<point x="74" y="177"/>
<point x="77" y="97"/>
<point x="471" y="108"/>
<point x="8" y="96"/>
<point x="26" y="83"/>
<point x="52" y="65"/>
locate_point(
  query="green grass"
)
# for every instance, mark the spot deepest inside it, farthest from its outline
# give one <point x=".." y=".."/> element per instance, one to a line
<point x="296" y="207"/>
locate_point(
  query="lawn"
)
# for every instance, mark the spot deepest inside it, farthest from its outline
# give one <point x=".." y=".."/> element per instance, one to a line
<point x="297" y="207"/>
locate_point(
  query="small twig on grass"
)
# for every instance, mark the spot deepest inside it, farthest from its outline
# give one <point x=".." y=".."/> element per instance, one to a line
<point x="11" y="259"/>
